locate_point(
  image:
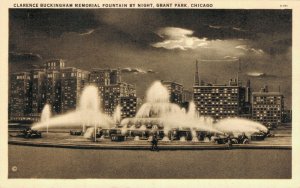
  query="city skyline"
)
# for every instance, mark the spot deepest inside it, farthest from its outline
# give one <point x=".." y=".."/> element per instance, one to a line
<point x="62" y="87"/>
<point x="159" y="44"/>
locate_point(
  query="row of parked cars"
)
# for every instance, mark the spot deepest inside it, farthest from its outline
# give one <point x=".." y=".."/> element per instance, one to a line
<point x="176" y="134"/>
<point x="242" y="138"/>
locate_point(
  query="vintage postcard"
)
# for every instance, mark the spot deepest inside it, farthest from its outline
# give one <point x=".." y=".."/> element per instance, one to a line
<point x="155" y="94"/>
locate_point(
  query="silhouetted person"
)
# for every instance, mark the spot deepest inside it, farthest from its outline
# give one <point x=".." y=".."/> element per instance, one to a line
<point x="229" y="142"/>
<point x="154" y="142"/>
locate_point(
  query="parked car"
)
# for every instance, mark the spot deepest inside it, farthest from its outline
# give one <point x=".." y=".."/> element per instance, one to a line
<point x="258" y="136"/>
<point x="117" y="138"/>
<point x="76" y="132"/>
<point x="223" y="139"/>
<point x="241" y="139"/>
<point x="29" y="133"/>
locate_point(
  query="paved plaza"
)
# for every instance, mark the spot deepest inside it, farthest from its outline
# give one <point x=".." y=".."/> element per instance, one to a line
<point x="66" y="156"/>
<point x="47" y="162"/>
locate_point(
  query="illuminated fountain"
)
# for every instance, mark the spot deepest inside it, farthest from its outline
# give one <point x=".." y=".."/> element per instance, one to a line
<point x="182" y="139"/>
<point x="165" y="115"/>
<point x="155" y="115"/>
<point x="45" y="116"/>
<point x="87" y="114"/>
<point x="117" y="115"/>
<point x="159" y="113"/>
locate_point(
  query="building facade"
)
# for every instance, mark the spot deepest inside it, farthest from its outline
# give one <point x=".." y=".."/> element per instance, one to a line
<point x="38" y="92"/>
<point x="112" y="94"/>
<point x="53" y="84"/>
<point x="267" y="107"/>
<point x="175" y="91"/>
<point x="53" y="90"/>
<point x="219" y="101"/>
<point x="187" y="97"/>
<point x="55" y="64"/>
<point x="61" y="88"/>
<point x="104" y="77"/>
<point x="20" y="102"/>
<point x="73" y="81"/>
<point x="128" y="106"/>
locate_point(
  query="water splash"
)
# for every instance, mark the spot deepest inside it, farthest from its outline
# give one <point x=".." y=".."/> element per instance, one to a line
<point x="157" y="93"/>
<point x="89" y="100"/>
<point x="157" y="103"/>
<point x="192" y="112"/>
<point x="117" y="114"/>
<point x="239" y="125"/>
<point x="46" y="113"/>
<point x="183" y="139"/>
<point x="45" y="116"/>
<point x="89" y="132"/>
<point x="87" y="114"/>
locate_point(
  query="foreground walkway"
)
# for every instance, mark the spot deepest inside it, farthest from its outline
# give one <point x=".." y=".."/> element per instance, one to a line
<point x="48" y="162"/>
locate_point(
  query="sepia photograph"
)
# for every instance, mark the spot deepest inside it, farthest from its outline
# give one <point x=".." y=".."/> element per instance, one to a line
<point x="149" y="91"/>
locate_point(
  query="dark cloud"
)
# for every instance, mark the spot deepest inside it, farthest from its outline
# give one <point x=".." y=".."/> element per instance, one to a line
<point x="110" y="38"/>
<point x="140" y="24"/>
<point x="22" y="57"/>
<point x="53" y="22"/>
<point x="137" y="71"/>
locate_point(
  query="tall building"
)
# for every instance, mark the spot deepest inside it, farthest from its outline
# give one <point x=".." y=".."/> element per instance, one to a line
<point x="42" y="86"/>
<point x="20" y="95"/>
<point x="247" y="108"/>
<point x="187" y="97"/>
<point x="115" y="76"/>
<point x="197" y="78"/>
<point x="61" y="87"/>
<point x="73" y="81"/>
<point x="111" y="95"/>
<point x="53" y="90"/>
<point x="175" y="91"/>
<point x="38" y="92"/>
<point x="267" y="107"/>
<point x="220" y="101"/>
<point x="53" y="84"/>
<point x="113" y="92"/>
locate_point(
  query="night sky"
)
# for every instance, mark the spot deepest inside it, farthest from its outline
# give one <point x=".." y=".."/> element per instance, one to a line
<point x="159" y="44"/>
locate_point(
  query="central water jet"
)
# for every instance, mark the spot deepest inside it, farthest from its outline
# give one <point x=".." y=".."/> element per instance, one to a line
<point x="45" y="116"/>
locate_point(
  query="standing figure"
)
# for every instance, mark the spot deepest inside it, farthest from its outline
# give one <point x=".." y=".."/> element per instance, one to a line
<point x="154" y="142"/>
<point x="229" y="142"/>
